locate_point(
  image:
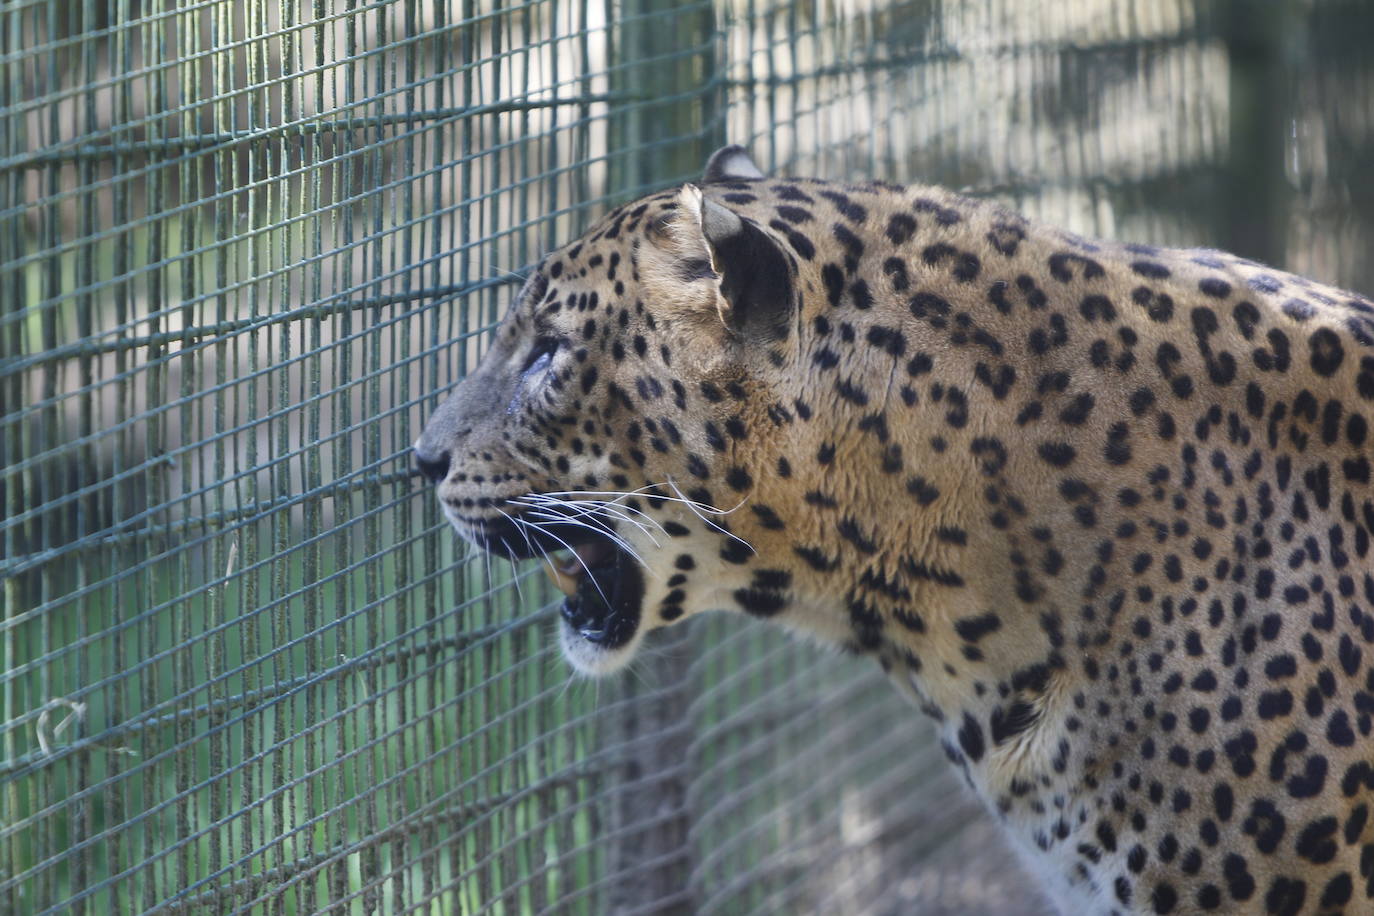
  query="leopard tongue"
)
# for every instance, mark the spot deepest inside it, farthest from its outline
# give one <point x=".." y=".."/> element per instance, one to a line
<point x="565" y="572"/>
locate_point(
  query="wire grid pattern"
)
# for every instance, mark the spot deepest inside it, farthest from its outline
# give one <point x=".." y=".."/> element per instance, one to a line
<point x="244" y="248"/>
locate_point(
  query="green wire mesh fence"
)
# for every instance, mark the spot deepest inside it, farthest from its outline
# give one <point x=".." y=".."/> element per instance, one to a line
<point x="246" y="245"/>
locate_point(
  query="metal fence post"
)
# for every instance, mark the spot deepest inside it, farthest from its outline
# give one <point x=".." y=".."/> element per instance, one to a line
<point x="668" y="74"/>
<point x="1258" y="193"/>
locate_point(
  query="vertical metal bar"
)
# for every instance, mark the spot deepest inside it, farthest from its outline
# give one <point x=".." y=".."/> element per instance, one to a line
<point x="13" y="298"/>
<point x="346" y="182"/>
<point x="429" y="692"/>
<point x="185" y="43"/>
<point x="1253" y="217"/>
<point x="48" y="528"/>
<point x="253" y="834"/>
<point x="371" y="718"/>
<point x="666" y="51"/>
<point x="313" y="700"/>
<point x="158" y="876"/>
<point x="222" y="555"/>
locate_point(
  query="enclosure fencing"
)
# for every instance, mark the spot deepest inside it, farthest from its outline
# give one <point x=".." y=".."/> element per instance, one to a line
<point x="245" y="248"/>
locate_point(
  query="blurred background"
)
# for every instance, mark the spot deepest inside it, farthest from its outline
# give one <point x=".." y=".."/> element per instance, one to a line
<point x="245" y="248"/>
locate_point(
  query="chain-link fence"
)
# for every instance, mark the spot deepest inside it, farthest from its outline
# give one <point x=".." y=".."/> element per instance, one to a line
<point x="246" y="245"/>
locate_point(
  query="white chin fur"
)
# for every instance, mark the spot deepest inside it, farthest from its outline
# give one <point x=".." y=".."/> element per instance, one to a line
<point x="591" y="659"/>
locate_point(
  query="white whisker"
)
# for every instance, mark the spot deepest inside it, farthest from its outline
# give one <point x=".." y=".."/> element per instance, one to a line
<point x="515" y="574"/>
<point x="522" y="521"/>
<point x="547" y="516"/>
<point x="692" y="504"/>
<point x="554" y="510"/>
<point x="592" y="508"/>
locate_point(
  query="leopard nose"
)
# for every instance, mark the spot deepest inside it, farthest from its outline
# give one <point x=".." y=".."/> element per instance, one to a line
<point x="434" y="465"/>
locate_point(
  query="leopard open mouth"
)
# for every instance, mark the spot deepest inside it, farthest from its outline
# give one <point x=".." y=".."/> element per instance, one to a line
<point x="604" y="590"/>
<point x="602" y="584"/>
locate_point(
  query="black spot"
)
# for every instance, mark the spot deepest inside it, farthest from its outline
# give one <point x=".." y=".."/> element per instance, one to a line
<point x="849" y="529"/>
<point x="900" y="228"/>
<point x="760" y="602"/>
<point x="1275" y="704"/>
<point x="1096" y="308"/>
<point x="1317" y="841"/>
<point x="738" y="479"/>
<point x="816" y="558"/>
<point x="798" y="240"/>
<point x="1061" y="267"/>
<point x="1239" y="882"/>
<point x="1164" y="897"/>
<point x="866" y="623"/>
<point x="928" y="306"/>
<point x="1078" y="410"/>
<point x="767" y="517"/>
<point x="965" y="265"/>
<point x="971" y="738"/>
<point x="895" y="268"/>
<point x="973" y="629"/>
<point x="847" y="207"/>
<point x="847" y="389"/>
<point x="851" y="242"/>
<point x="1006" y="237"/>
<point x="1285" y="896"/>
<point x="1326" y="352"/>
<point x="1150" y="269"/>
<point x="833" y="278"/>
<point x="924" y="491"/>
<point x="1106" y="836"/>
<point x="1214" y="287"/>
<point x="1338" y="891"/>
<point x="589" y="376"/>
<point x="889" y="339"/>
<point x="792" y="192"/>
<point x="1338" y="730"/>
<point x="1059" y="454"/>
<point x="991" y="455"/>
<point x="1159" y="306"/>
<point x="1310" y="781"/>
<point x="945" y="216"/>
<point x="862" y="298"/>
<point x="1117" y="451"/>
<point x="1266" y="826"/>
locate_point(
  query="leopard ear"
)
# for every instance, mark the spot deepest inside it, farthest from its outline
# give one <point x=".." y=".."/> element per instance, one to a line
<point x="731" y="163"/>
<point x="749" y="276"/>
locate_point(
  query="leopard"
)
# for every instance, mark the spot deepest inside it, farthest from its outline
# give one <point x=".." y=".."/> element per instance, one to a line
<point x="1101" y="510"/>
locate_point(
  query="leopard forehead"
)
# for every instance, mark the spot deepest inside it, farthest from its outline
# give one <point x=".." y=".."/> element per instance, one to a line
<point x="1103" y="510"/>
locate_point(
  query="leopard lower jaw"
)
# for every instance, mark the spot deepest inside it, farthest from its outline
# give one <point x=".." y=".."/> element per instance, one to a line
<point x="594" y="659"/>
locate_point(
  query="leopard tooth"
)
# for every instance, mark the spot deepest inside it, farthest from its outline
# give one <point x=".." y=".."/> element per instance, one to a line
<point x="564" y="574"/>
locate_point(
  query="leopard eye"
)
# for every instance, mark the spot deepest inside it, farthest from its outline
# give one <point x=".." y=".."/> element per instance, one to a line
<point x="540" y="355"/>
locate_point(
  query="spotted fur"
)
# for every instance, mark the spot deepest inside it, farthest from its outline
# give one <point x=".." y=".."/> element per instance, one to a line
<point x="1103" y="511"/>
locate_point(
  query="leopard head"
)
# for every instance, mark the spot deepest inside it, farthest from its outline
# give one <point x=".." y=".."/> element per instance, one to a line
<point x="626" y="414"/>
